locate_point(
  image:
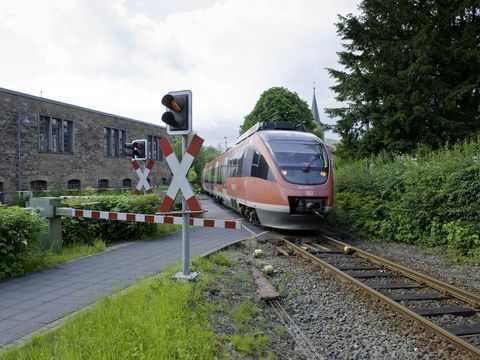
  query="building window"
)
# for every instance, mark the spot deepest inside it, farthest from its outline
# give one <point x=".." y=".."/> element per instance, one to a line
<point x="55" y="135"/>
<point x="154" y="151"/>
<point x="113" y="141"/>
<point x="73" y="184"/>
<point x="38" y="185"/>
<point x="2" y="195"/>
<point x="102" y="185"/>
<point x="126" y="183"/>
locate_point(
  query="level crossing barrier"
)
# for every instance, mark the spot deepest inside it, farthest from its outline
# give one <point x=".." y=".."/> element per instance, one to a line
<point x="52" y="209"/>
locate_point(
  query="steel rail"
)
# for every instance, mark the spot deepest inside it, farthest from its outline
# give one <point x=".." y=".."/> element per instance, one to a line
<point x="396" y="306"/>
<point x="463" y="295"/>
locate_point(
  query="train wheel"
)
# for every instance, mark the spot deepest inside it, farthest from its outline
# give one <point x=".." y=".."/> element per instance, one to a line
<point x="243" y="210"/>
<point x="252" y="217"/>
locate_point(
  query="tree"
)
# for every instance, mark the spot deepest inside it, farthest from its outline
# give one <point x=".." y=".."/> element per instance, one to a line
<point x="279" y="104"/>
<point x="412" y="75"/>
<point x="205" y="155"/>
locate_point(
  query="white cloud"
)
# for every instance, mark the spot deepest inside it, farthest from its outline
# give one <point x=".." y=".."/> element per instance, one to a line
<point x="122" y="56"/>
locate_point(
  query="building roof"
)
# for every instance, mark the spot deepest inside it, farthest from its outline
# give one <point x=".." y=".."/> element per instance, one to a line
<point x="38" y="98"/>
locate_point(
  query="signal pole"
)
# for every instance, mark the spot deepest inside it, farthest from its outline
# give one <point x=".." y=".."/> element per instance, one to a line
<point x="178" y="118"/>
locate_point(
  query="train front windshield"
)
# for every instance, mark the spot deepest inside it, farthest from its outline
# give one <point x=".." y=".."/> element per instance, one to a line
<point x="300" y="161"/>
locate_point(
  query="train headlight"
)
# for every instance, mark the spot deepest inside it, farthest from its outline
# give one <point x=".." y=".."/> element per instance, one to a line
<point x="323" y="173"/>
<point x="284" y="172"/>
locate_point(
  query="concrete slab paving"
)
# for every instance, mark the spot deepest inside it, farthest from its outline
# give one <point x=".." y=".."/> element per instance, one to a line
<point x="33" y="301"/>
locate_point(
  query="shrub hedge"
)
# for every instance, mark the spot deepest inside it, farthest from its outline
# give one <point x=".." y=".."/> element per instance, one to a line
<point x="86" y="231"/>
<point x="431" y="198"/>
<point x="18" y="232"/>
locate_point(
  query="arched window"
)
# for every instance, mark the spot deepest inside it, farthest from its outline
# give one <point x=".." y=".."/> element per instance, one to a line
<point x="2" y="196"/>
<point x="102" y="185"/>
<point x="73" y="184"/>
<point x="38" y="185"/>
<point x="126" y="183"/>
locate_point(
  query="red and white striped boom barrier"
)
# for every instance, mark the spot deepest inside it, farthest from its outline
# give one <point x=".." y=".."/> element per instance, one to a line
<point x="147" y="218"/>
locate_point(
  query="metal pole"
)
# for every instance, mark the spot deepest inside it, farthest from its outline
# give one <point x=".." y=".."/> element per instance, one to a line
<point x="185" y="238"/>
<point x="185" y="274"/>
<point x="19" y="166"/>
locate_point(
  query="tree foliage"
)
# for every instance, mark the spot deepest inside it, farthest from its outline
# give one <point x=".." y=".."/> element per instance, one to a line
<point x="411" y="75"/>
<point x="205" y="155"/>
<point x="280" y="104"/>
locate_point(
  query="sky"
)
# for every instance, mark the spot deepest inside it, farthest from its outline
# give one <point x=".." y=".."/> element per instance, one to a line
<point x="122" y="56"/>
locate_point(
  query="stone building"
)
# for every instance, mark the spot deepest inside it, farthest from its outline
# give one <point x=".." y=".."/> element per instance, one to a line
<point x="48" y="145"/>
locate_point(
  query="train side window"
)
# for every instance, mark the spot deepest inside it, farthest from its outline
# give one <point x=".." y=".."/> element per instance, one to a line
<point x="224" y="172"/>
<point x="240" y="165"/>
<point x="235" y="162"/>
<point x="247" y="161"/>
<point x="260" y="167"/>
<point x="256" y="158"/>
<point x="231" y="167"/>
<point x="219" y="174"/>
<point x="215" y="175"/>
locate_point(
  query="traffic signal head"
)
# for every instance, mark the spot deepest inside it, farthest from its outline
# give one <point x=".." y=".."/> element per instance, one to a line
<point x="178" y="116"/>
<point x="137" y="149"/>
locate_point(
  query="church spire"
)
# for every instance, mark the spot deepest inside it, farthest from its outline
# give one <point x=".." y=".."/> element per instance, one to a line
<point x="314" y="108"/>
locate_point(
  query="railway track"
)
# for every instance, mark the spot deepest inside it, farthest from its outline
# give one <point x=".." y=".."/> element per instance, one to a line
<point x="442" y="308"/>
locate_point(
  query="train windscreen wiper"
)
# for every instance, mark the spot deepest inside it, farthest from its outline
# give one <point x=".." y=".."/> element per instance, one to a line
<point x="310" y="163"/>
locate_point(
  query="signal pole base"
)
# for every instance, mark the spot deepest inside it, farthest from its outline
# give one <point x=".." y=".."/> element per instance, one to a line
<point x="186" y="277"/>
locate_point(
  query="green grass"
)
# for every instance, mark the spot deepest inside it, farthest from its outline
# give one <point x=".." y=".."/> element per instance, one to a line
<point x="68" y="253"/>
<point x="245" y="312"/>
<point x="248" y="338"/>
<point x="280" y="331"/>
<point x="158" y="318"/>
<point x="73" y="252"/>
<point x="251" y="343"/>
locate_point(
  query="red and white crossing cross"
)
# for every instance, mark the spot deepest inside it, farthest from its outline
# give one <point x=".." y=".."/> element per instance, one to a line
<point x="143" y="175"/>
<point x="180" y="171"/>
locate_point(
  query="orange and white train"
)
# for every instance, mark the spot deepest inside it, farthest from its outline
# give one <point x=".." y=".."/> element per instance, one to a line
<point x="276" y="175"/>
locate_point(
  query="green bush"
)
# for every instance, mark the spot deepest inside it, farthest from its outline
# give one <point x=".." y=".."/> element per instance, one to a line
<point x="431" y="198"/>
<point x="18" y="232"/>
<point x="85" y="231"/>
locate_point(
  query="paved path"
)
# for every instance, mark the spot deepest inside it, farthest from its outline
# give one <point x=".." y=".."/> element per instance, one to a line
<point x="33" y="301"/>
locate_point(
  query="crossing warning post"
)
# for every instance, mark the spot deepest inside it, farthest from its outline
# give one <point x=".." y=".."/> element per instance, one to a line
<point x="178" y="117"/>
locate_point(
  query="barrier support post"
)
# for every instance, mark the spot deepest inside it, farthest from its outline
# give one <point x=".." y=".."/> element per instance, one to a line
<point x="185" y="274"/>
<point x="52" y="239"/>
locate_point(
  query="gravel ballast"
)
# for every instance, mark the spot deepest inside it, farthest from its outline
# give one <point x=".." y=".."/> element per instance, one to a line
<point x="339" y="320"/>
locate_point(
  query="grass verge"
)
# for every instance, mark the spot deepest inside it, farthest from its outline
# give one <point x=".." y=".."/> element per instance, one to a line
<point x="158" y="318"/>
<point x="68" y="253"/>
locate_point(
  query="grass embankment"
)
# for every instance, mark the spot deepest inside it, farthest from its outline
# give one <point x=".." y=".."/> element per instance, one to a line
<point x="158" y="318"/>
<point x="432" y="198"/>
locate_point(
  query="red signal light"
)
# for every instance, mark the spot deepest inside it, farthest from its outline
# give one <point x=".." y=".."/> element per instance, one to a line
<point x="178" y="116"/>
<point x="170" y="102"/>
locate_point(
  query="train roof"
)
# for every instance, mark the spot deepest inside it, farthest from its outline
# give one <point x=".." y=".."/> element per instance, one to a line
<point x="287" y="135"/>
<point x="268" y="125"/>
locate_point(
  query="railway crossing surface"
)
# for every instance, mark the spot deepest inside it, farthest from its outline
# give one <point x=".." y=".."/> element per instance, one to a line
<point x="38" y="300"/>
